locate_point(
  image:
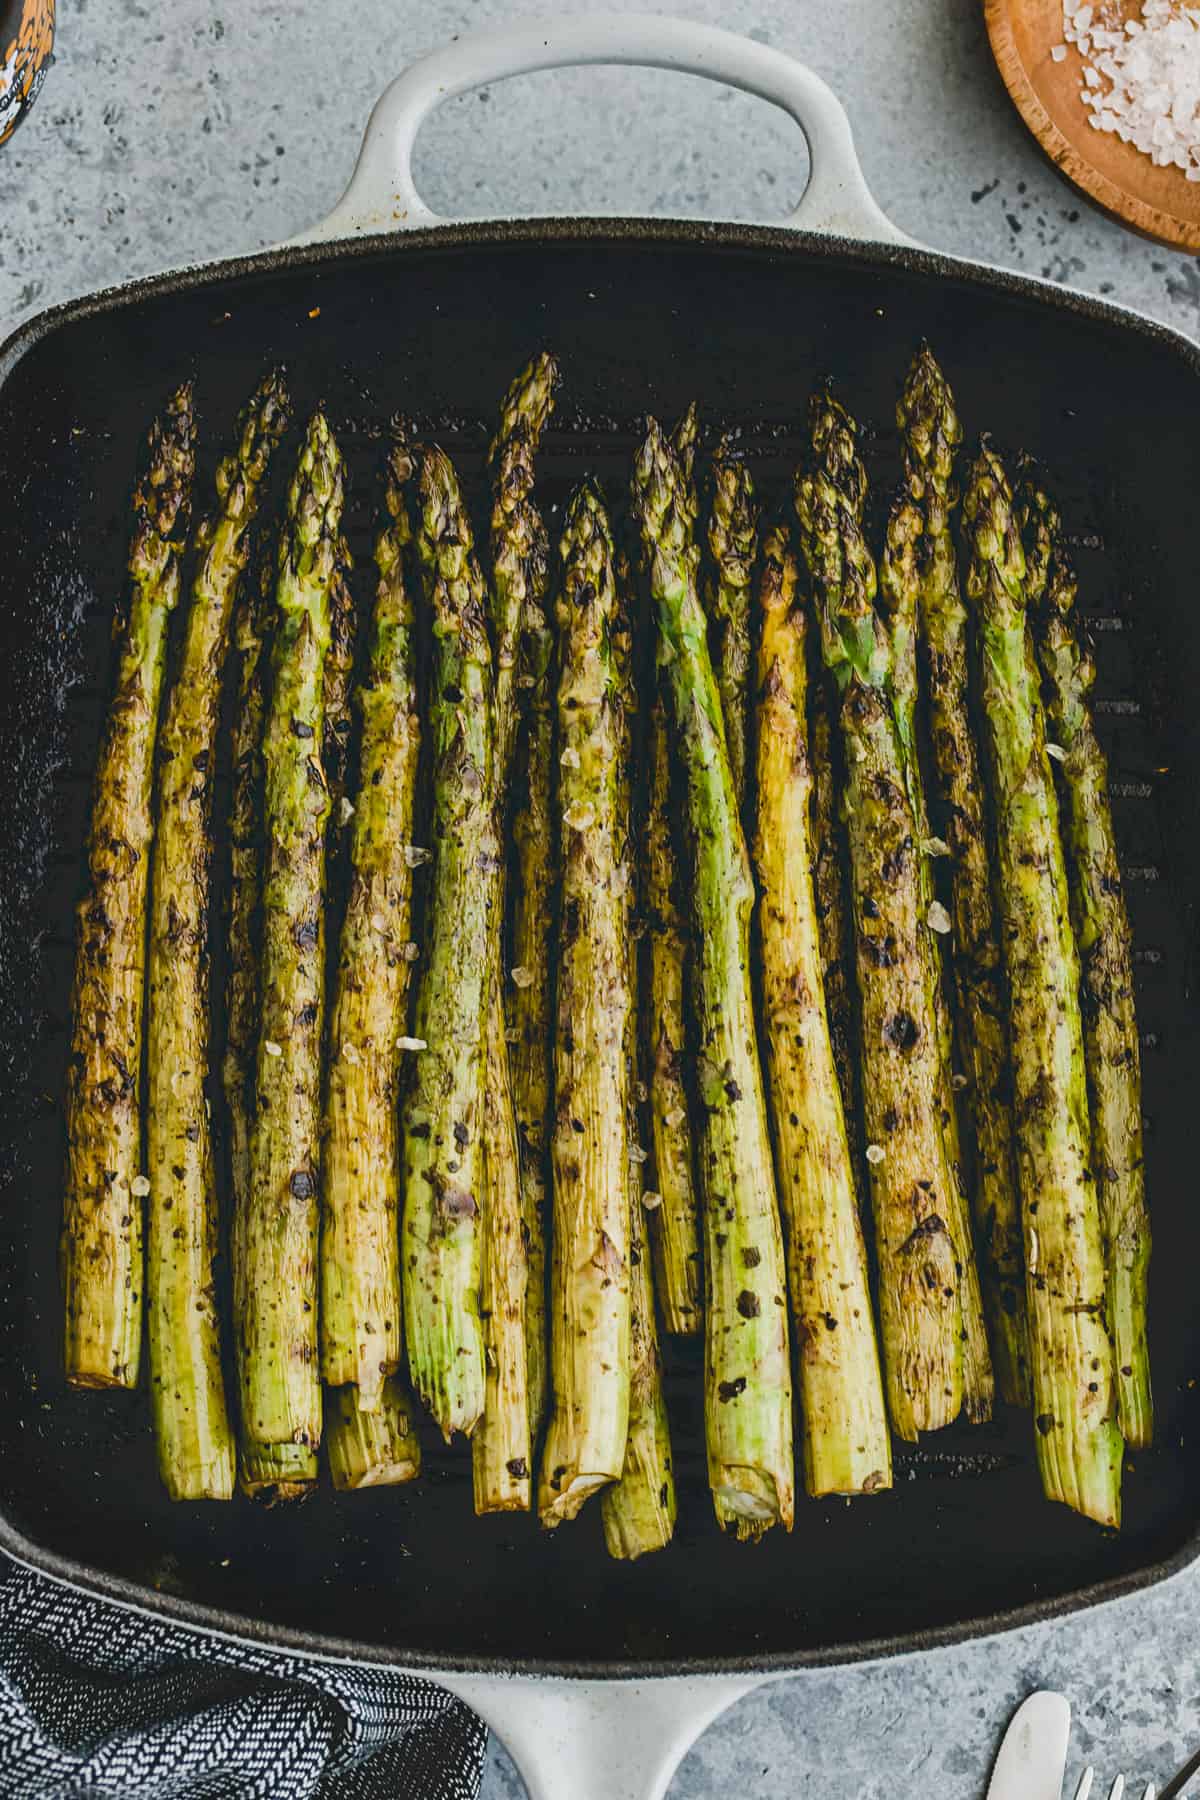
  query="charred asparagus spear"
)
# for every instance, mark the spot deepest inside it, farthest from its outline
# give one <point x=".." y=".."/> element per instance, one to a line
<point x="275" y="1272"/>
<point x="835" y="440"/>
<point x="360" y="1256"/>
<point x="530" y="1012"/>
<point x="102" y="1245"/>
<point x="638" y="1510"/>
<point x="530" y="996"/>
<point x="733" y="548"/>
<point x="379" y="1448"/>
<point x="251" y="625"/>
<point x="674" y="1224"/>
<point x="502" y="1450"/>
<point x="847" y="1448"/>
<point x="931" y="435"/>
<point x="1102" y="934"/>
<point x="748" y="1402"/>
<point x="590" y="1281"/>
<point x="443" y="1122"/>
<point x="339" y="679"/>
<point x="899" y="592"/>
<point x="1075" y="1402"/>
<point x="187" y="1390"/>
<point x="919" y="1288"/>
<point x="829" y="876"/>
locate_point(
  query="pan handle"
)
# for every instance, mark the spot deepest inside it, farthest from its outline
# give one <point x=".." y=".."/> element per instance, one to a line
<point x="598" y="1740"/>
<point x="382" y="196"/>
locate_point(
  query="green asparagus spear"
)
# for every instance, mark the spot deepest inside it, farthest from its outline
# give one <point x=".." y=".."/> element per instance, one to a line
<point x="674" y="1224"/>
<point x="931" y="434"/>
<point x="501" y="1449"/>
<point x="847" y="1449"/>
<point x="748" y="1392"/>
<point x="102" y="1246"/>
<point x="530" y="996"/>
<point x="733" y="546"/>
<point x="276" y="1471"/>
<point x="339" y="678"/>
<point x="1110" y="1035"/>
<point x="899" y="593"/>
<point x="360" y="1257"/>
<point x="275" y="1272"/>
<point x="443" y="1122"/>
<point x="638" y="1510"/>
<point x="379" y="1448"/>
<point x="920" y="1308"/>
<point x="829" y="877"/>
<point x="251" y="625"/>
<point x="192" y="1432"/>
<point x="1075" y="1403"/>
<point x="590" y="1291"/>
<point x="835" y="439"/>
<point x="835" y="442"/>
<point x="530" y="1010"/>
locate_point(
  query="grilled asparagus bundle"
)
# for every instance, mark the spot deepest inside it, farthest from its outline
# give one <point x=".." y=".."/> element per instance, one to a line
<point x="536" y="1063"/>
<point x="1074" y="1392"/>
<point x="1110" y="1034"/>
<point x="192" y="1431"/>
<point x="748" y="1389"/>
<point x="102" y="1243"/>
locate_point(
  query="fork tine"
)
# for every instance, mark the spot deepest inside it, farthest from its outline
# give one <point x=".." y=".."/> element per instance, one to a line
<point x="1118" y="1788"/>
<point x="1085" y="1784"/>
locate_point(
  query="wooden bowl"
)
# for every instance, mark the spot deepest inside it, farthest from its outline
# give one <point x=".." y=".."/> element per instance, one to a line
<point x="26" y="41"/>
<point x="1161" y="203"/>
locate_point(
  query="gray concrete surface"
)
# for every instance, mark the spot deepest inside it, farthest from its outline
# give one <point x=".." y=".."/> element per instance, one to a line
<point x="176" y="133"/>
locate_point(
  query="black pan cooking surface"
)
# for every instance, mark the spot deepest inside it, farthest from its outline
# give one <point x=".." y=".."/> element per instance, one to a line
<point x="643" y="318"/>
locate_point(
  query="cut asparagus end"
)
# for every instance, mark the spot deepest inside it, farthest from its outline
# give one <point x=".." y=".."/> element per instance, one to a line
<point x="377" y="1448"/>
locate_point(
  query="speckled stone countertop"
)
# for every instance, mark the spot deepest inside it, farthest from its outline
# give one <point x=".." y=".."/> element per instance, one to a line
<point x="168" y="134"/>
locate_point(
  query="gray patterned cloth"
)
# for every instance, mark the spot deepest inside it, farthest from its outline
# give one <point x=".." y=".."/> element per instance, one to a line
<point x="98" y="1701"/>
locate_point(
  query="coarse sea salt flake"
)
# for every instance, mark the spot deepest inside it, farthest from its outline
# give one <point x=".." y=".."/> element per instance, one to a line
<point x="1141" y="76"/>
<point x="411" y="1043"/>
<point x="1059" y="53"/>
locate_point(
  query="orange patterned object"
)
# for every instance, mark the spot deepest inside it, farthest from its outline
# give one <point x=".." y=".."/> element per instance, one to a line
<point x="26" y="42"/>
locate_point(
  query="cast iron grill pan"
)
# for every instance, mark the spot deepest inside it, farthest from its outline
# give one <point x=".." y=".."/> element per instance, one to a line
<point x="643" y="318"/>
